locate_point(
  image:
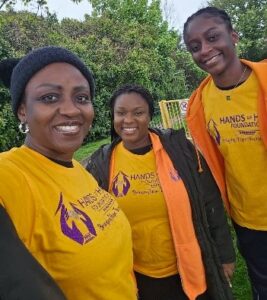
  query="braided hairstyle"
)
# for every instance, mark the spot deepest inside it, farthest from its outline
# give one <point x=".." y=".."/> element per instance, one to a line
<point x="210" y="12"/>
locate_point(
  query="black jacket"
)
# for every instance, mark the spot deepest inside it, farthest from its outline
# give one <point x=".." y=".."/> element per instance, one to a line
<point x="208" y="214"/>
<point x="21" y="276"/>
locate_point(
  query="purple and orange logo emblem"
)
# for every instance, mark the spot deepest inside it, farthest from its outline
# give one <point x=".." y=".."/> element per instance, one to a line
<point x="120" y="185"/>
<point x="72" y="230"/>
<point x="213" y="131"/>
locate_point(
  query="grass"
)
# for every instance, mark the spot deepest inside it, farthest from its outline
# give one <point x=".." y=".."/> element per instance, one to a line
<point x="88" y="149"/>
<point x="241" y="285"/>
<point x="240" y="282"/>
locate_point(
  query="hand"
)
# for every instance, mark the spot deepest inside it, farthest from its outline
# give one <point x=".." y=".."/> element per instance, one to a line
<point x="228" y="270"/>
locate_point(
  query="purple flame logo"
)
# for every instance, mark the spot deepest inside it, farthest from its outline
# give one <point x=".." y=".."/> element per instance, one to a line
<point x="120" y="185"/>
<point x="213" y="131"/>
<point x="72" y="231"/>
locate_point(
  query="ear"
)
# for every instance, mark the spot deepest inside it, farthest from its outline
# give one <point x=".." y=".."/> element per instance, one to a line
<point x="235" y="37"/>
<point x="22" y="112"/>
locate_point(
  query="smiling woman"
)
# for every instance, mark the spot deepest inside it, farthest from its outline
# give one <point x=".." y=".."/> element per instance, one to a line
<point x="226" y="117"/>
<point x="63" y="221"/>
<point x="156" y="178"/>
<point x="58" y="111"/>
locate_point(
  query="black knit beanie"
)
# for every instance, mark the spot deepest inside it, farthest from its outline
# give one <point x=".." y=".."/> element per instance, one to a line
<point x="36" y="60"/>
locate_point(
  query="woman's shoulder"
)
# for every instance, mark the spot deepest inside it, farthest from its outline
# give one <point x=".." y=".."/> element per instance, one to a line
<point x="101" y="153"/>
<point x="175" y="141"/>
<point x="169" y="132"/>
<point x="99" y="158"/>
<point x="8" y="160"/>
<point x="13" y="181"/>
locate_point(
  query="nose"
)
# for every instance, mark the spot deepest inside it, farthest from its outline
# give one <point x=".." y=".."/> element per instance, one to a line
<point x="128" y="118"/>
<point x="205" y="48"/>
<point x="68" y="107"/>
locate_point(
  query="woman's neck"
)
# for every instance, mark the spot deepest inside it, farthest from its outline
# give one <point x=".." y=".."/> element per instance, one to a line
<point x="138" y="144"/>
<point x="232" y="77"/>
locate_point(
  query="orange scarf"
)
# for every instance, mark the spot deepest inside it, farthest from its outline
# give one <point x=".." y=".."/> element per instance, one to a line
<point x="197" y="125"/>
<point x="189" y="260"/>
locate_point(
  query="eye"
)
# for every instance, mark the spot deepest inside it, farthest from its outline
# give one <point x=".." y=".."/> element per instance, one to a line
<point x="49" y="98"/>
<point x="83" y="99"/>
<point x="213" y="37"/>
<point x="139" y="113"/>
<point x="120" y="113"/>
<point x="194" y="47"/>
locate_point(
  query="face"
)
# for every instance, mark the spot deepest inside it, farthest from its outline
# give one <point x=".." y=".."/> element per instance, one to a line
<point x="58" y="110"/>
<point x="131" y="120"/>
<point x="211" y="44"/>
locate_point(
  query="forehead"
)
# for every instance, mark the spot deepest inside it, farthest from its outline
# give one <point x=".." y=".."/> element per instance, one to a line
<point x="130" y="100"/>
<point x="202" y="24"/>
<point x="58" y="73"/>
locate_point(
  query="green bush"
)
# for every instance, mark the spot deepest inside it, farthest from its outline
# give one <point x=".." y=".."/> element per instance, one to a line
<point x="9" y="132"/>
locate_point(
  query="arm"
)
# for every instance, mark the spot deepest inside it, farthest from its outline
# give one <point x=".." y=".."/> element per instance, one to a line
<point x="21" y="276"/>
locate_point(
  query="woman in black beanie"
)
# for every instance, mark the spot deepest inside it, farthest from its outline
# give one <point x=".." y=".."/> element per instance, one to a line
<point x="63" y="222"/>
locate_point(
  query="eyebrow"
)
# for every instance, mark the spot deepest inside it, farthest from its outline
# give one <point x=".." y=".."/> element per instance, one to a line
<point x="206" y="32"/>
<point x="82" y="88"/>
<point x="123" y="107"/>
<point x="51" y="85"/>
<point x="59" y="87"/>
<point x="212" y="28"/>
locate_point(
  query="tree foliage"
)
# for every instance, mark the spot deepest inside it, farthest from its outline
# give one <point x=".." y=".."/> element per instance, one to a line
<point x="41" y="3"/>
<point x="249" y="18"/>
<point x="9" y="4"/>
<point x="123" y="41"/>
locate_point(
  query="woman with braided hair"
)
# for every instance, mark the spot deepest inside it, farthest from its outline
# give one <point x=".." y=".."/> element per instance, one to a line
<point x="181" y="240"/>
<point x="227" y="118"/>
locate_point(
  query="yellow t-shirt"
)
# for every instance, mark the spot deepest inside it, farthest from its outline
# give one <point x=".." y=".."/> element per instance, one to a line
<point x="234" y="126"/>
<point x="136" y="186"/>
<point x="73" y="228"/>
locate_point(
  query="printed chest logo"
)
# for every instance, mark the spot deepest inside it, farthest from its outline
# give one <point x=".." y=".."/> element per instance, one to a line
<point x="214" y="132"/>
<point x="73" y="229"/>
<point x="238" y="128"/>
<point x="120" y="185"/>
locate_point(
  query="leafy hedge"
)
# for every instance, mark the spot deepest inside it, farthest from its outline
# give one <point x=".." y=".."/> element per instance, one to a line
<point x="122" y="42"/>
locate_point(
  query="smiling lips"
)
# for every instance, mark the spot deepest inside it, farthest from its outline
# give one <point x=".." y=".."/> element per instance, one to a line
<point x="68" y="128"/>
<point x="129" y="130"/>
<point x="211" y="60"/>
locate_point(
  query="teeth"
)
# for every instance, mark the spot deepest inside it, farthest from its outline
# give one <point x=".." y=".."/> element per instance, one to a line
<point x="68" y="128"/>
<point x="211" y="60"/>
<point x="129" y="129"/>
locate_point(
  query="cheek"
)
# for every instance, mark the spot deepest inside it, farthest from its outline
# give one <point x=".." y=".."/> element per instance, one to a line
<point x="116" y="120"/>
<point x="195" y="56"/>
<point x="89" y="114"/>
<point x="37" y="112"/>
<point x="36" y="118"/>
<point x="145" y="124"/>
<point x="116" y="123"/>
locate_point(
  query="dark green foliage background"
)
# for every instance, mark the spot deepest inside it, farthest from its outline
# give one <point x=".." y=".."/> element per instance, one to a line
<point x="124" y="41"/>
